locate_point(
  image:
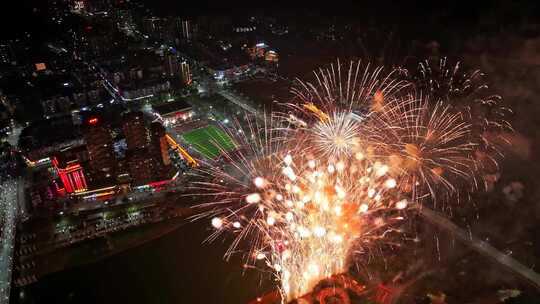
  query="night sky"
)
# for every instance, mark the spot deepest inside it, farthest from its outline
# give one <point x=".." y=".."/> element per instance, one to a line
<point x="423" y="16"/>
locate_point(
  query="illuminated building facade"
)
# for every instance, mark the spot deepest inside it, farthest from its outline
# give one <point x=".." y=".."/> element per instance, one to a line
<point x="159" y="145"/>
<point x="147" y="156"/>
<point x="93" y="6"/>
<point x="174" y="112"/>
<point x="171" y="65"/>
<point x="78" y="5"/>
<point x="228" y="72"/>
<point x="159" y="149"/>
<point x="100" y="147"/>
<point x="69" y="166"/>
<point x="185" y="73"/>
<point x="135" y="130"/>
<point x="154" y="26"/>
<point x="142" y="167"/>
<point x="186" y="30"/>
<point x="258" y="50"/>
<point x="271" y="56"/>
<point x="40" y="66"/>
<point x="72" y="177"/>
<point x="262" y="51"/>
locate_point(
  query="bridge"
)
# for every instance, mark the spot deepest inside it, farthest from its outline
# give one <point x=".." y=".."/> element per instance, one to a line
<point x="480" y="246"/>
<point x="238" y="100"/>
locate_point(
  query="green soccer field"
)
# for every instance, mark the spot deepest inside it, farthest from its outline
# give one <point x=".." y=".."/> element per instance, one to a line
<point x="209" y="141"/>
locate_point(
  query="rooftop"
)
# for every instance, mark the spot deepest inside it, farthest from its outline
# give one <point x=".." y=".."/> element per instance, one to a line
<point x="56" y="84"/>
<point x="70" y="155"/>
<point x="172" y="107"/>
<point x="218" y="58"/>
<point x="48" y="132"/>
<point x="136" y="59"/>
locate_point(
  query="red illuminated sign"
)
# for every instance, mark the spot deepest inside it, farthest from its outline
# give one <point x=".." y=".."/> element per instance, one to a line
<point x="93" y="121"/>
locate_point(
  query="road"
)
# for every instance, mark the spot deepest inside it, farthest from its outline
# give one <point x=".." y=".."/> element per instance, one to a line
<point x="8" y="203"/>
<point x="237" y="100"/>
<point x="480" y="246"/>
<point x="13" y="137"/>
<point x="131" y="198"/>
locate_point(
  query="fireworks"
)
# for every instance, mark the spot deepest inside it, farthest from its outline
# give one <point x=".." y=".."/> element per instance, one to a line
<point x="306" y="221"/>
<point x="336" y="136"/>
<point x="466" y="92"/>
<point x="305" y="197"/>
<point x="352" y="90"/>
<point x="430" y="147"/>
<point x="330" y="208"/>
<point x="303" y="213"/>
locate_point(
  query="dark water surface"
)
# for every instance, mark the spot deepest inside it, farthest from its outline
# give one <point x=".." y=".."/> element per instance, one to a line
<point x="174" y="269"/>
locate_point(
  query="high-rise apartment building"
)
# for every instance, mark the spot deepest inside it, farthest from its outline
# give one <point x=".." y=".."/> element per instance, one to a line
<point x="135" y="130"/>
<point x="99" y="143"/>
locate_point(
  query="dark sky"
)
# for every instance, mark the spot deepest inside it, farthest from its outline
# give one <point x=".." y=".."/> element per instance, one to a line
<point x="27" y="15"/>
<point x="423" y="20"/>
<point x="412" y="10"/>
<point x="17" y="17"/>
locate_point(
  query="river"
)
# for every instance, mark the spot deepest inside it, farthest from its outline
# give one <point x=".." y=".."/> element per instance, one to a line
<point x="178" y="268"/>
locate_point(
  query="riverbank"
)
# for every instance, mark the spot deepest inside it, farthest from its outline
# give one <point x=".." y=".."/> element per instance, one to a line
<point x="85" y="251"/>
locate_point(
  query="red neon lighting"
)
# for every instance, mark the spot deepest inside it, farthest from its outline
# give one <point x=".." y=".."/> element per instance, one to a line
<point x="83" y="181"/>
<point x="93" y="121"/>
<point x="160" y="183"/>
<point x="80" y="184"/>
<point x="65" y="181"/>
<point x="77" y="181"/>
<point x="72" y="177"/>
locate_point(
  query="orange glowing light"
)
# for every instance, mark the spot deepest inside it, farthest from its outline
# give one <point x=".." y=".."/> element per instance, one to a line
<point x="320" y="114"/>
<point x="181" y="150"/>
<point x="41" y="66"/>
<point x="93" y="121"/>
<point x="378" y="101"/>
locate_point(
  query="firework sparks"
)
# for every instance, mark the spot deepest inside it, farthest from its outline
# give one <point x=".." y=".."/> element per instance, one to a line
<point x="334" y="208"/>
<point x="336" y="136"/>
<point x="306" y="197"/>
<point x="308" y="219"/>
<point x="468" y="93"/>
<point x="429" y="145"/>
<point x="303" y="213"/>
<point x="353" y="89"/>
